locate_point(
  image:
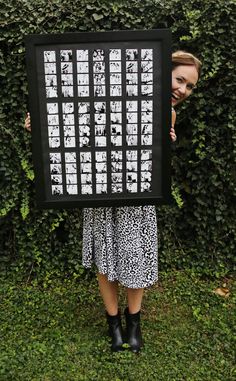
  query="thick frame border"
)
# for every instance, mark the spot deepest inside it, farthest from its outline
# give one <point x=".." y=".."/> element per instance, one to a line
<point x="162" y="36"/>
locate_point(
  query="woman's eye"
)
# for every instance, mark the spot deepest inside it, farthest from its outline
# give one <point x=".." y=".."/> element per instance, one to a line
<point x="179" y="80"/>
<point x="190" y="87"/>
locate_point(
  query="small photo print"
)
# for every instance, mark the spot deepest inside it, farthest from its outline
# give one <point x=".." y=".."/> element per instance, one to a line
<point x="100" y="141"/>
<point x="131" y="117"/>
<point x="55" y="157"/>
<point x="146" y="154"/>
<point x="50" y="68"/>
<point x="71" y="178"/>
<point x="100" y="118"/>
<point x="146" y="186"/>
<point x="55" y="169"/>
<point x="131" y="155"/>
<point x="67" y="80"/>
<point x="147" y="106"/>
<point x="99" y="79"/>
<point x="116" y="129"/>
<point x="147" y="78"/>
<point x="99" y="91"/>
<point x="146" y="140"/>
<point x="99" y="107"/>
<point x="69" y="131"/>
<point x="71" y="168"/>
<point x="131" y="177"/>
<point x="131" y="106"/>
<point x="86" y="189"/>
<point x="115" y="79"/>
<point x="131" y="187"/>
<point x="131" y="67"/>
<point x="82" y="55"/>
<point x="116" y="166"/>
<point x="116" y="140"/>
<point x="146" y="117"/>
<point x="100" y="130"/>
<point x="100" y="157"/>
<point x="115" y="90"/>
<point x="131" y="166"/>
<point x="146" y="165"/>
<point x="51" y="92"/>
<point x="131" y="79"/>
<point x="116" y="177"/>
<point x="146" y="129"/>
<point x="68" y="119"/>
<point x="67" y="108"/>
<point x="116" y="155"/>
<point x="146" y="176"/>
<point x="84" y="141"/>
<point x="66" y="55"/>
<point x="71" y="189"/>
<point x="132" y="129"/>
<point x="56" y="179"/>
<point x="57" y="189"/>
<point x="147" y="90"/>
<point x="132" y="140"/>
<point x="50" y="80"/>
<point x="147" y="54"/>
<point x="115" y="54"/>
<point x="83" y="79"/>
<point x="101" y="188"/>
<point x="82" y="67"/>
<point x="50" y="56"/>
<point x="66" y="68"/>
<point x="69" y="142"/>
<point x="98" y="55"/>
<point x="101" y="178"/>
<point x="99" y="67"/>
<point x="115" y="67"/>
<point x="67" y="91"/>
<point x="85" y="157"/>
<point x="85" y="168"/>
<point x="86" y="178"/>
<point x="131" y="54"/>
<point x="84" y="130"/>
<point x="83" y="91"/>
<point x="84" y="119"/>
<point x="52" y="108"/>
<point x="70" y="157"/>
<point x="53" y="131"/>
<point x="116" y="118"/>
<point x="116" y="188"/>
<point x="131" y="90"/>
<point x="54" y="142"/>
<point x="115" y="106"/>
<point x="53" y="120"/>
<point x="101" y="167"/>
<point x="83" y="107"/>
<point x="146" y="66"/>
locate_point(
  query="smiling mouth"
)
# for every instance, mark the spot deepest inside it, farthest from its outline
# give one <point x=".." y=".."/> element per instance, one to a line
<point x="175" y="97"/>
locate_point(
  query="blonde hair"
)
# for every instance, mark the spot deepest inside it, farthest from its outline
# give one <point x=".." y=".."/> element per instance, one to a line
<point x="180" y="57"/>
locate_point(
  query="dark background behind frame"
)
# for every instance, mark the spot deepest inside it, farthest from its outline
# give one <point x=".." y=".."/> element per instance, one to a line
<point x="162" y="36"/>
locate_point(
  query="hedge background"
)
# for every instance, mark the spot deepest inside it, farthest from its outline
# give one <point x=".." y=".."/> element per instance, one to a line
<point x="199" y="229"/>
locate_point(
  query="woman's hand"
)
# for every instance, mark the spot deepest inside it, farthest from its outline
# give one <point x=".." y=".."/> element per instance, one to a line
<point x="172" y="130"/>
<point x="27" y="122"/>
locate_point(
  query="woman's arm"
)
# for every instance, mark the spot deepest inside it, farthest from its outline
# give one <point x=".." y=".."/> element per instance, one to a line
<point x="172" y="130"/>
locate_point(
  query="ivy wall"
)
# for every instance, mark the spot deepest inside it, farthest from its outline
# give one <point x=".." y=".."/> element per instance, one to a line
<point x="199" y="229"/>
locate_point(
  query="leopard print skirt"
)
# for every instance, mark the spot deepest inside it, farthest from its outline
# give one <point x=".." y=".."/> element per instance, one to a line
<point x="122" y="242"/>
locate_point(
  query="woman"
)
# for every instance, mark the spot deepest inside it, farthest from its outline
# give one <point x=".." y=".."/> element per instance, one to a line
<point x="122" y="242"/>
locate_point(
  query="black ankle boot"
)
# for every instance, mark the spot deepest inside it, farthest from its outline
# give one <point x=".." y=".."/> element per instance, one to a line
<point x="115" y="332"/>
<point x="134" y="335"/>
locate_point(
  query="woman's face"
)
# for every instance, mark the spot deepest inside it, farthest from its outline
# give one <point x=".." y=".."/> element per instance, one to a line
<point x="184" y="79"/>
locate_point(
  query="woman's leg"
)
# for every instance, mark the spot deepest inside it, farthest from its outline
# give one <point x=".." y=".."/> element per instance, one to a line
<point x="132" y="315"/>
<point x="135" y="296"/>
<point x="109" y="293"/>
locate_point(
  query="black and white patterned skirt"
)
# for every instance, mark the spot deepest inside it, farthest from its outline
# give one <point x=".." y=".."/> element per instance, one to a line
<point x="122" y="242"/>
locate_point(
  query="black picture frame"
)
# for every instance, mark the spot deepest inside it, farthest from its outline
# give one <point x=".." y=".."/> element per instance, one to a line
<point x="100" y="106"/>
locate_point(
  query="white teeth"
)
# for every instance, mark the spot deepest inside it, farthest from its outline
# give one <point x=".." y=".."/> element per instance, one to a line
<point x="175" y="97"/>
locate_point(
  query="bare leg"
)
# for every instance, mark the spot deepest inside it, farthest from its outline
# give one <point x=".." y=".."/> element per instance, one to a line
<point x="135" y="296"/>
<point x="109" y="293"/>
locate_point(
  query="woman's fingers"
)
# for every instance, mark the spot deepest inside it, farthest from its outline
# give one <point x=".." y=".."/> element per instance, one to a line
<point x="28" y="122"/>
<point x="173" y="135"/>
